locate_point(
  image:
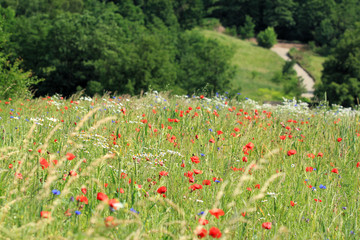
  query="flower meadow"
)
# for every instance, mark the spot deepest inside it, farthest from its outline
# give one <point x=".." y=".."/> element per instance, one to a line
<point x="177" y="167"/>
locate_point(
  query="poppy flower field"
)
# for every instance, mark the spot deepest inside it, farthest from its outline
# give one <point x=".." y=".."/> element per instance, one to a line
<point x="177" y="167"/>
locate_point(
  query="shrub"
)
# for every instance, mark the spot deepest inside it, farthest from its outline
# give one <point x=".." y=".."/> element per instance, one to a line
<point x="267" y="38"/>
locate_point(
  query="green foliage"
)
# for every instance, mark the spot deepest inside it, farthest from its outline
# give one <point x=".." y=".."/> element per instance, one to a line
<point x="14" y="81"/>
<point x="248" y="29"/>
<point x="341" y="74"/>
<point x="204" y="64"/>
<point x="267" y="38"/>
<point x="292" y="85"/>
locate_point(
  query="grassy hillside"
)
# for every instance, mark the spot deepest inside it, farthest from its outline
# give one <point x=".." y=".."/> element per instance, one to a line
<point x="255" y="67"/>
<point x="310" y="61"/>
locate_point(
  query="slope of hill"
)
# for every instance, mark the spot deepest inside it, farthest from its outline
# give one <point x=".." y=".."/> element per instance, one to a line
<point x="255" y="66"/>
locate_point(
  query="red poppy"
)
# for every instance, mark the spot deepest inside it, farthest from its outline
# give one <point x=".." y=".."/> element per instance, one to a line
<point x="163" y="173"/>
<point x="84" y="190"/>
<point x="309" y="169"/>
<point x="320" y="154"/>
<point x="203" y="221"/>
<point x="339" y="139"/>
<point x="196" y="186"/>
<point x="197" y="171"/>
<point x="70" y="156"/>
<point x="215" y="232"/>
<point x="212" y="140"/>
<point x="358" y="164"/>
<point x="244" y="159"/>
<point x="206" y="182"/>
<point x="257" y="186"/>
<point x="291" y="152"/>
<point x="335" y="170"/>
<point x="162" y="190"/>
<point x="82" y="199"/>
<point x="102" y="196"/>
<point x="201" y="232"/>
<point x="217" y="212"/>
<point x="45" y="214"/>
<point x="283" y="137"/>
<point x="219" y="132"/>
<point x="195" y="159"/>
<point x="292" y="203"/>
<point x="266" y="225"/>
<point x="44" y="164"/>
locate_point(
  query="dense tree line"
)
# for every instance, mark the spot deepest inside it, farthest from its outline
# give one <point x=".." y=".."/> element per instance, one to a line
<point x="320" y="21"/>
<point x="129" y="46"/>
<point x="118" y="46"/>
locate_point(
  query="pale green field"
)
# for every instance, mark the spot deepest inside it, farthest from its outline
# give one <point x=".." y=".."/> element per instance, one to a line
<point x="310" y="61"/>
<point x="255" y="65"/>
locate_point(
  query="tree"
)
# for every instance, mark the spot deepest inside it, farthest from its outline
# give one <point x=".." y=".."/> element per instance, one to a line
<point x="341" y="74"/>
<point x="204" y="64"/>
<point x="14" y="82"/>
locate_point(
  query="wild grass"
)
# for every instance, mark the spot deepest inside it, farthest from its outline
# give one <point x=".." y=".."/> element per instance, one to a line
<point x="123" y="145"/>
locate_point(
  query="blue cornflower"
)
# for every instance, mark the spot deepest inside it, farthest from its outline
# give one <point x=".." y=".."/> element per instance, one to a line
<point x="210" y="130"/>
<point x="56" y="192"/>
<point x="313" y="188"/>
<point x="322" y="186"/>
<point x="217" y="181"/>
<point x="344" y="208"/>
<point x="77" y="212"/>
<point x="238" y="93"/>
<point x="246" y="98"/>
<point x="12" y="110"/>
<point x="11" y="116"/>
<point x="201" y="154"/>
<point x="314" y="169"/>
<point x="72" y="199"/>
<point x="134" y="211"/>
<point x="201" y="213"/>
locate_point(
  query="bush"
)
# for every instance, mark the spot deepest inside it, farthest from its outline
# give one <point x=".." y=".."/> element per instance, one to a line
<point x="267" y="38"/>
<point x="14" y="81"/>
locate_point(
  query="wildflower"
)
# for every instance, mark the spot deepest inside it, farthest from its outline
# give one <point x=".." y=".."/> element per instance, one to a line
<point x="201" y="232"/>
<point x="45" y="214"/>
<point x="206" y="182"/>
<point x="322" y="186"/>
<point x="266" y="225"/>
<point x="217" y="212"/>
<point x="70" y="156"/>
<point x="195" y="159"/>
<point x="82" y="199"/>
<point x="215" y="232"/>
<point x="163" y="173"/>
<point x="197" y="171"/>
<point x="291" y="152"/>
<point x="84" y="190"/>
<point x="44" y="164"/>
<point x="134" y="211"/>
<point x="203" y="221"/>
<point x="115" y="204"/>
<point x="77" y="212"/>
<point x="292" y="203"/>
<point x="56" y="192"/>
<point x="102" y="196"/>
<point x="335" y="170"/>
<point x="195" y="186"/>
<point x="162" y="190"/>
<point x="339" y="139"/>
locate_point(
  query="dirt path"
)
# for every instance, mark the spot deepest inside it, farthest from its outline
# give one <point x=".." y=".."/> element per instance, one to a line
<point x="282" y="51"/>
